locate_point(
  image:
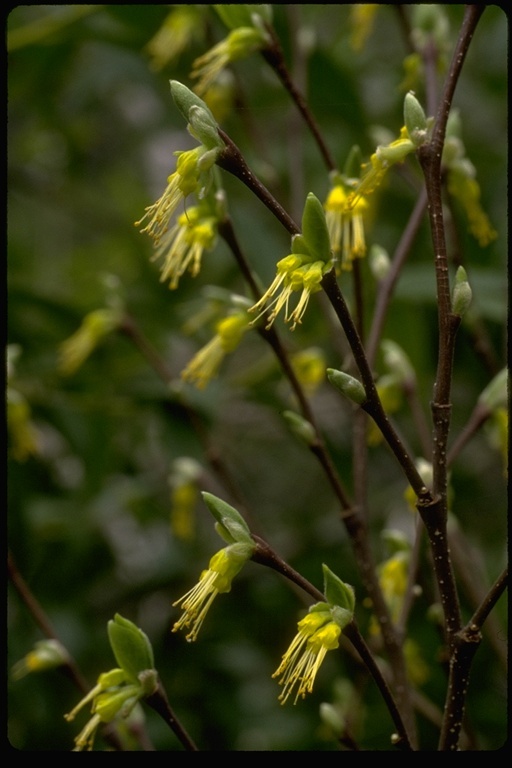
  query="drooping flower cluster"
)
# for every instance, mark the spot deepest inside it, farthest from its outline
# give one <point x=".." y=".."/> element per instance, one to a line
<point x="247" y="36"/>
<point x="317" y="633"/>
<point x="117" y="692"/>
<point x="296" y="273"/>
<point x="462" y="183"/>
<point x="222" y="568"/>
<point x="181" y="244"/>
<point x="215" y="580"/>
<point x="346" y="224"/>
<point x="301" y="271"/>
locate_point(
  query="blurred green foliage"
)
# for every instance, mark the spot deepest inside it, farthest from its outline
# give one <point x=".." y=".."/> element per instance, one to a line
<point x="91" y="135"/>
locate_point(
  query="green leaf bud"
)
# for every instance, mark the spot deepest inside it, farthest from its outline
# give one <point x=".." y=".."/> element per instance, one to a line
<point x="203" y="128"/>
<point x="395" y="541"/>
<point x="462" y="293"/>
<point x="314" y="229"/>
<point x="333" y="718"/>
<point x="379" y="262"/>
<point x="397" y="361"/>
<point x="414" y="119"/>
<point x="494" y="396"/>
<point x="229" y="520"/>
<point x="338" y="593"/>
<point x="234" y="15"/>
<point x="347" y="385"/>
<point x="300" y="427"/>
<point x="130" y="646"/>
<point x="184" y="99"/>
<point x="148" y="680"/>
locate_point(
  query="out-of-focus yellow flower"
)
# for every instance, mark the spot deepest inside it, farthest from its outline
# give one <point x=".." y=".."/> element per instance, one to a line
<point x="183" y="245"/>
<point x="22" y="431"/>
<point x="96" y="325"/>
<point x="380" y="162"/>
<point x="205" y="364"/>
<point x="179" y="29"/>
<point x="46" y="654"/>
<point x="239" y="44"/>
<point x="362" y="16"/>
<point x="309" y="366"/>
<point x="184" y="493"/>
<point x="464" y="187"/>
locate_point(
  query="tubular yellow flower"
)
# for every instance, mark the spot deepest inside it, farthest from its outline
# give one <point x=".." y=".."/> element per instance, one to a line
<point x="222" y="569"/>
<point x="345" y="224"/>
<point x="380" y="162"/>
<point x="294" y="273"/>
<point x="76" y="349"/>
<point x="204" y="366"/>
<point x="239" y="44"/>
<point x="179" y="29"/>
<point x="183" y="245"/>
<point x="193" y="170"/>
<point x="317" y="634"/>
<point x="464" y="187"/>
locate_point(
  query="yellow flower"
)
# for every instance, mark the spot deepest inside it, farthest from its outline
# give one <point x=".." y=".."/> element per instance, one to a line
<point x="204" y="366"/>
<point x="361" y="21"/>
<point x="380" y="162"/>
<point x="24" y="435"/>
<point x="109" y="696"/>
<point x="193" y="170"/>
<point x="222" y="569"/>
<point x="309" y="366"/>
<point x="76" y="349"/>
<point x="178" y="30"/>
<point x="345" y="224"/>
<point x="239" y="44"/>
<point x="46" y="654"/>
<point x="294" y="273"/>
<point x="317" y="634"/>
<point x="464" y="187"/>
<point x="183" y="245"/>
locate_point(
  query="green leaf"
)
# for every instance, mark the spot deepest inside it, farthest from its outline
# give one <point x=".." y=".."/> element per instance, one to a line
<point x="130" y="646"/>
<point x="314" y="229"/>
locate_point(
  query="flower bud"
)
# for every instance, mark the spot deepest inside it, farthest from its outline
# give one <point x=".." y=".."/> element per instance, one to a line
<point x="462" y="293"/>
<point x="333" y="718"/>
<point x="130" y="646"/>
<point x="494" y="396"/>
<point x="230" y="524"/>
<point x="347" y="385"/>
<point x="46" y="654"/>
<point x="379" y="262"/>
<point x="203" y="127"/>
<point x="397" y="361"/>
<point x="300" y="427"/>
<point x="184" y="99"/>
<point x="414" y="119"/>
